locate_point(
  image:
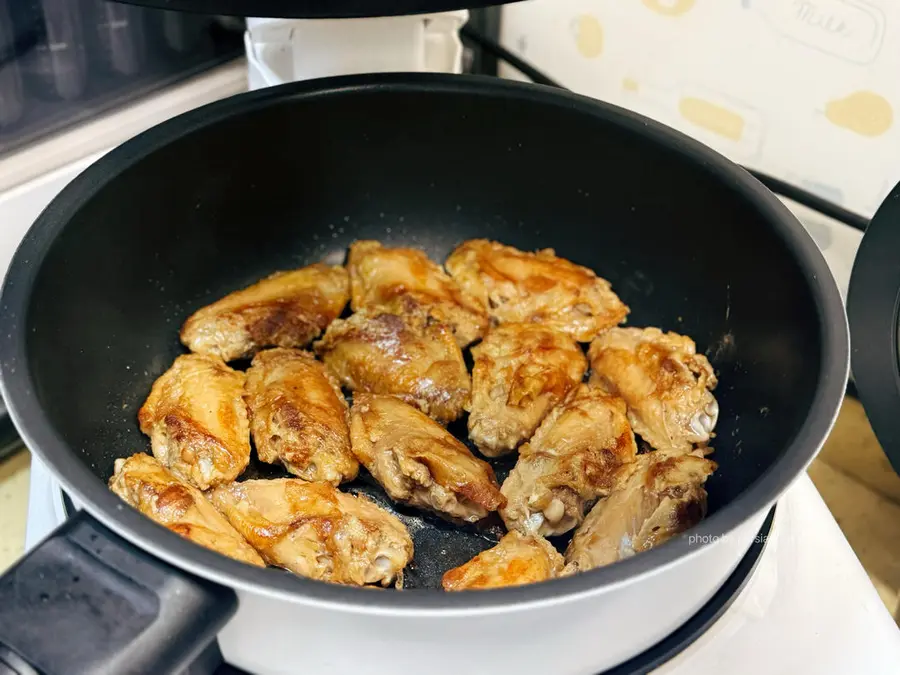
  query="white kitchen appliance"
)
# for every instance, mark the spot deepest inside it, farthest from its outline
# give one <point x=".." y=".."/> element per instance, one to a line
<point x="789" y="87"/>
<point x="808" y="605"/>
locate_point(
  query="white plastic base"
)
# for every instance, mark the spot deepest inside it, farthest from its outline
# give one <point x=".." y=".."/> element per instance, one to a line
<point x="288" y="50"/>
<point x="809" y="607"/>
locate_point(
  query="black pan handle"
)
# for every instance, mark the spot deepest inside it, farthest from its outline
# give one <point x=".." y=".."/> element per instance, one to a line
<point x="86" y="601"/>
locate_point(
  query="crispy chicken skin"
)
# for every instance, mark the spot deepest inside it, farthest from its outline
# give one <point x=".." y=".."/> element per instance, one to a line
<point x="536" y="287"/>
<point x="197" y="421"/>
<point x="286" y="309"/>
<point x="145" y="484"/>
<point x="516" y="560"/>
<point x="569" y="463"/>
<point x="406" y="354"/>
<point x="379" y="276"/>
<point x="657" y="497"/>
<point x="298" y="416"/>
<point x="418" y="462"/>
<point x="316" y="531"/>
<point x="665" y="383"/>
<point x="521" y="371"/>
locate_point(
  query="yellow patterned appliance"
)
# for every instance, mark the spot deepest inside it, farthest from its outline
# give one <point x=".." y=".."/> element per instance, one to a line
<point x="805" y="90"/>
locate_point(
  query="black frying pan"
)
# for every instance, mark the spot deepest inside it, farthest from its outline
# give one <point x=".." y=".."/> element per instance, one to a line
<point x="277" y="179"/>
<point x="316" y="9"/>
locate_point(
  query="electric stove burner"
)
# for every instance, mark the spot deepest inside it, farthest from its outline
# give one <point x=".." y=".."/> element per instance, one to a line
<point x="685" y="636"/>
<point x="668" y="648"/>
<point x="703" y="620"/>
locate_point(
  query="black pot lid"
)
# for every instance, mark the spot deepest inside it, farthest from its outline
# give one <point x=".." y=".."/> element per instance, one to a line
<point x="315" y="9"/>
<point x="873" y="309"/>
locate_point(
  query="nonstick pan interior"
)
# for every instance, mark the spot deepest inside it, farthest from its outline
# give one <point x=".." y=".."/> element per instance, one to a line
<point x="294" y="179"/>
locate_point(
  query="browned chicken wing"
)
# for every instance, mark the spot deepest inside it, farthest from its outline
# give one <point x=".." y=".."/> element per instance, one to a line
<point x="287" y="309"/>
<point x="516" y="560"/>
<point x="418" y="462"/>
<point x="407" y="354"/>
<point x="569" y="463"/>
<point x="379" y="276"/>
<point x="657" y="497"/>
<point x="536" y="287"/>
<point x="316" y="531"/>
<point x="665" y="382"/>
<point x="521" y="371"/>
<point x="196" y="419"/>
<point x="146" y="485"/>
<point x="298" y="416"/>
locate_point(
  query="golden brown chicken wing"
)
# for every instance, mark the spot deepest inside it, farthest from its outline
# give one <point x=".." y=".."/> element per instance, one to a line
<point x="287" y="309"/>
<point x="665" y="382"/>
<point x="569" y="463"/>
<point x="657" y="497"/>
<point x="521" y="371"/>
<point x="316" y="531"/>
<point x="379" y="276"/>
<point x="408" y="355"/>
<point x="298" y="416"/>
<point x="196" y="419"/>
<point x="536" y="287"/>
<point x="516" y="560"/>
<point x="146" y="485"/>
<point x="418" y="462"/>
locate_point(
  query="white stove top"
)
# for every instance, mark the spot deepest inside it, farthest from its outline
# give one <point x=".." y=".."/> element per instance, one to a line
<point x="808" y="608"/>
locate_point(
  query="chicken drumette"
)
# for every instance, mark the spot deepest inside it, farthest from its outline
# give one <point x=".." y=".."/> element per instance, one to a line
<point x="516" y="286"/>
<point x="664" y="381"/>
<point x="197" y="420"/>
<point x="316" y="531"/>
<point x="657" y="497"/>
<point x="418" y="462"/>
<point x="142" y="482"/>
<point x="403" y="353"/>
<point x="298" y="416"/>
<point x="516" y="560"/>
<point x="287" y="309"/>
<point x="521" y="371"/>
<point x="381" y="276"/>
<point x="569" y="463"/>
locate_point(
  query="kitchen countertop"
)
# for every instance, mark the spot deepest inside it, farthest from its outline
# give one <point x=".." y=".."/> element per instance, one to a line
<point x="862" y="491"/>
<point x="13" y="506"/>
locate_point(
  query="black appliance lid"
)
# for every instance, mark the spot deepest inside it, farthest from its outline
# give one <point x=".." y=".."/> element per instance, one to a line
<point x="316" y="9"/>
<point x="873" y="310"/>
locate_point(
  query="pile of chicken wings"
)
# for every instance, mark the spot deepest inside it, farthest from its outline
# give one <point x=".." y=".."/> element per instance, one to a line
<point x="536" y="325"/>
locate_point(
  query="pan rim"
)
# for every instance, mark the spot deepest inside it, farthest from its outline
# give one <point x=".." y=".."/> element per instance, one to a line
<point x="18" y="388"/>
